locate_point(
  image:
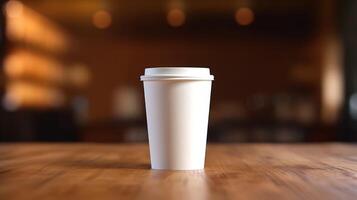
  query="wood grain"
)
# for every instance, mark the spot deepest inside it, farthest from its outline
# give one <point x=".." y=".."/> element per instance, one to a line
<point x="233" y="171"/>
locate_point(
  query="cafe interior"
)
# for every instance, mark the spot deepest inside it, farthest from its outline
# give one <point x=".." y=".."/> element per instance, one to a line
<point x="284" y="69"/>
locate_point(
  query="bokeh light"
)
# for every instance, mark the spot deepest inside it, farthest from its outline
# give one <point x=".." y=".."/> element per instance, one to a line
<point x="102" y="19"/>
<point x="13" y="9"/>
<point x="176" y="17"/>
<point x="244" y="16"/>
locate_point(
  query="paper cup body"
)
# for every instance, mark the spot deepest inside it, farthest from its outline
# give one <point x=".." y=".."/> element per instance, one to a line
<point x="177" y="111"/>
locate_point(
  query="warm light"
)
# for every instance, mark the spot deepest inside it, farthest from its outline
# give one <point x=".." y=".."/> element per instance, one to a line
<point x="13" y="9"/>
<point x="244" y="16"/>
<point x="27" y="26"/>
<point x="24" y="65"/>
<point x="78" y="76"/>
<point x="102" y="19"/>
<point x="28" y="95"/>
<point x="21" y="64"/>
<point x="332" y="80"/>
<point x="176" y="17"/>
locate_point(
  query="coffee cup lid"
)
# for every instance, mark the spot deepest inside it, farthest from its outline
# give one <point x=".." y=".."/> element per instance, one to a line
<point x="177" y="73"/>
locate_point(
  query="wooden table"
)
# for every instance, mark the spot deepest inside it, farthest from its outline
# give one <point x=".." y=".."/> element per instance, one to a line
<point x="233" y="171"/>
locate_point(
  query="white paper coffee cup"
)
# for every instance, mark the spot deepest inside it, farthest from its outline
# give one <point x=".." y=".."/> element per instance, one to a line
<point x="177" y="103"/>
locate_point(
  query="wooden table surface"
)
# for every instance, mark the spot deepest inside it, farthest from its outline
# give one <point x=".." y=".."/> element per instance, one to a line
<point x="233" y="171"/>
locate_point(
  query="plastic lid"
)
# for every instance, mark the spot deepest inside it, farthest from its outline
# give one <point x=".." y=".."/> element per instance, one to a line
<point x="177" y="73"/>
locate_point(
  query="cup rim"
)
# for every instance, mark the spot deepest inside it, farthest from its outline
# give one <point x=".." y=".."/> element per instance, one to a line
<point x="163" y="78"/>
<point x="177" y="73"/>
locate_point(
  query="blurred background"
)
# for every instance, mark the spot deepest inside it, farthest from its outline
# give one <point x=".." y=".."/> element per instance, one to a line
<point x="285" y="70"/>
